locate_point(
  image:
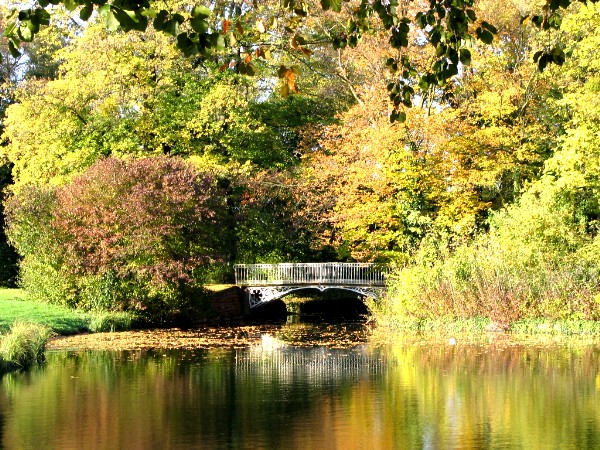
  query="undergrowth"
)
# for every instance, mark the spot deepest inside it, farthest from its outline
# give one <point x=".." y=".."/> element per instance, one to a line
<point x="23" y="346"/>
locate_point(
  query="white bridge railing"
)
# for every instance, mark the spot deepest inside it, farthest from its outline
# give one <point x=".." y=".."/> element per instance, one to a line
<point x="286" y="274"/>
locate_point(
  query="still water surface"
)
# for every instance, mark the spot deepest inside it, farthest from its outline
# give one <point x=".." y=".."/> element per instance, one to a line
<point x="278" y="389"/>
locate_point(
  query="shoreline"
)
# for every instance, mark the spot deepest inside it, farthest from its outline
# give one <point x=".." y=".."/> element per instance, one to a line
<point x="299" y="335"/>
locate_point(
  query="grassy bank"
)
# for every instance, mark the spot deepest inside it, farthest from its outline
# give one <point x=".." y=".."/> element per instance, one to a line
<point x="26" y="326"/>
<point x="15" y="307"/>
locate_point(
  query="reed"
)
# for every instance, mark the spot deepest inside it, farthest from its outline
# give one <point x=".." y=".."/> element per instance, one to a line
<point x="23" y="346"/>
<point x="100" y="322"/>
<point x="505" y="284"/>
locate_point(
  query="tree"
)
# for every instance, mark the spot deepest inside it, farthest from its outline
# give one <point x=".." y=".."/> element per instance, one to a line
<point x="538" y="255"/>
<point x="36" y="60"/>
<point x="107" y="102"/>
<point x="124" y="235"/>
<point x="240" y="30"/>
<point x="380" y="191"/>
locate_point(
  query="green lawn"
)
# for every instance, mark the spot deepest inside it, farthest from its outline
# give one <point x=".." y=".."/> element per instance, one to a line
<point x="15" y="306"/>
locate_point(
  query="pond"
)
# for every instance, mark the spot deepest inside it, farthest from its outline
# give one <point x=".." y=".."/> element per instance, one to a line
<point x="304" y="386"/>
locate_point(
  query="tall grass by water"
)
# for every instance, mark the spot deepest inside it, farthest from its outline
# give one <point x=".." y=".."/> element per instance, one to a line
<point x="487" y="284"/>
<point x="23" y="346"/>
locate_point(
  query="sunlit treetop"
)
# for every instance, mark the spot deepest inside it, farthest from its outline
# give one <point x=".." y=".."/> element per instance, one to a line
<point x="249" y="29"/>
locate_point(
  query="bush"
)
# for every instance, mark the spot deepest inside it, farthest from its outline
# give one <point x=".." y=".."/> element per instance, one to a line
<point x="24" y="345"/>
<point x="126" y="235"/>
<point x="111" y="321"/>
<point x="46" y="281"/>
<point x="536" y="261"/>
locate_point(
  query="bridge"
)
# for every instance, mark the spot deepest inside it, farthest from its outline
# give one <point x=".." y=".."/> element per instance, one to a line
<point x="266" y="282"/>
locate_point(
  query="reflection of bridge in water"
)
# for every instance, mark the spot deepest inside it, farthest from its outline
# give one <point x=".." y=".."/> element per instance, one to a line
<point x="266" y="282"/>
<point x="318" y="365"/>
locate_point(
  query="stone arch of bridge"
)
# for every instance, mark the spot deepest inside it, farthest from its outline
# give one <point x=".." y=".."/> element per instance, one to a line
<point x="260" y="295"/>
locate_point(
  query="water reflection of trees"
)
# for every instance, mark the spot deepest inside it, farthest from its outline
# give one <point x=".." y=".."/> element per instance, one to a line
<point x="276" y="396"/>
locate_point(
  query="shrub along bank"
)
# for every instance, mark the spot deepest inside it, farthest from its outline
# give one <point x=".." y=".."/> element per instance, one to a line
<point x="129" y="236"/>
<point x="535" y="270"/>
<point x="23" y="346"/>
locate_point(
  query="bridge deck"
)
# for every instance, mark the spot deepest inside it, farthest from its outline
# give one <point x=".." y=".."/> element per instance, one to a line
<point x="286" y="274"/>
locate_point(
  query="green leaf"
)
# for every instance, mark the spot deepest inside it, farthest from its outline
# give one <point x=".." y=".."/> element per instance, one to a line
<point x="103" y="10"/>
<point x="465" y="56"/>
<point x="542" y="62"/>
<point x="14" y="51"/>
<point x="141" y="24"/>
<point x="201" y="12"/>
<point x="70" y="4"/>
<point x="555" y="21"/>
<point x="398" y="116"/>
<point x="558" y="56"/>
<point x="484" y="35"/>
<point x="435" y="37"/>
<point x="171" y="27"/>
<point x="199" y="25"/>
<point x="127" y="19"/>
<point x="186" y="45"/>
<point x="334" y="5"/>
<point x="339" y="42"/>
<point x="441" y="11"/>
<point x="150" y="13"/>
<point x="440" y="49"/>
<point x="245" y="68"/>
<point x="220" y="42"/>
<point x="9" y="30"/>
<point x="488" y="26"/>
<point x="160" y="20"/>
<point x="112" y="24"/>
<point x="42" y="16"/>
<point x="178" y="18"/>
<point x="25" y="31"/>
<point x="86" y="12"/>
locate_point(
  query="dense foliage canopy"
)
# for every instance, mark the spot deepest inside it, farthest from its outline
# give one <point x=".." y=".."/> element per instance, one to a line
<point x="126" y="235"/>
<point x="300" y="162"/>
<point x="241" y="31"/>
